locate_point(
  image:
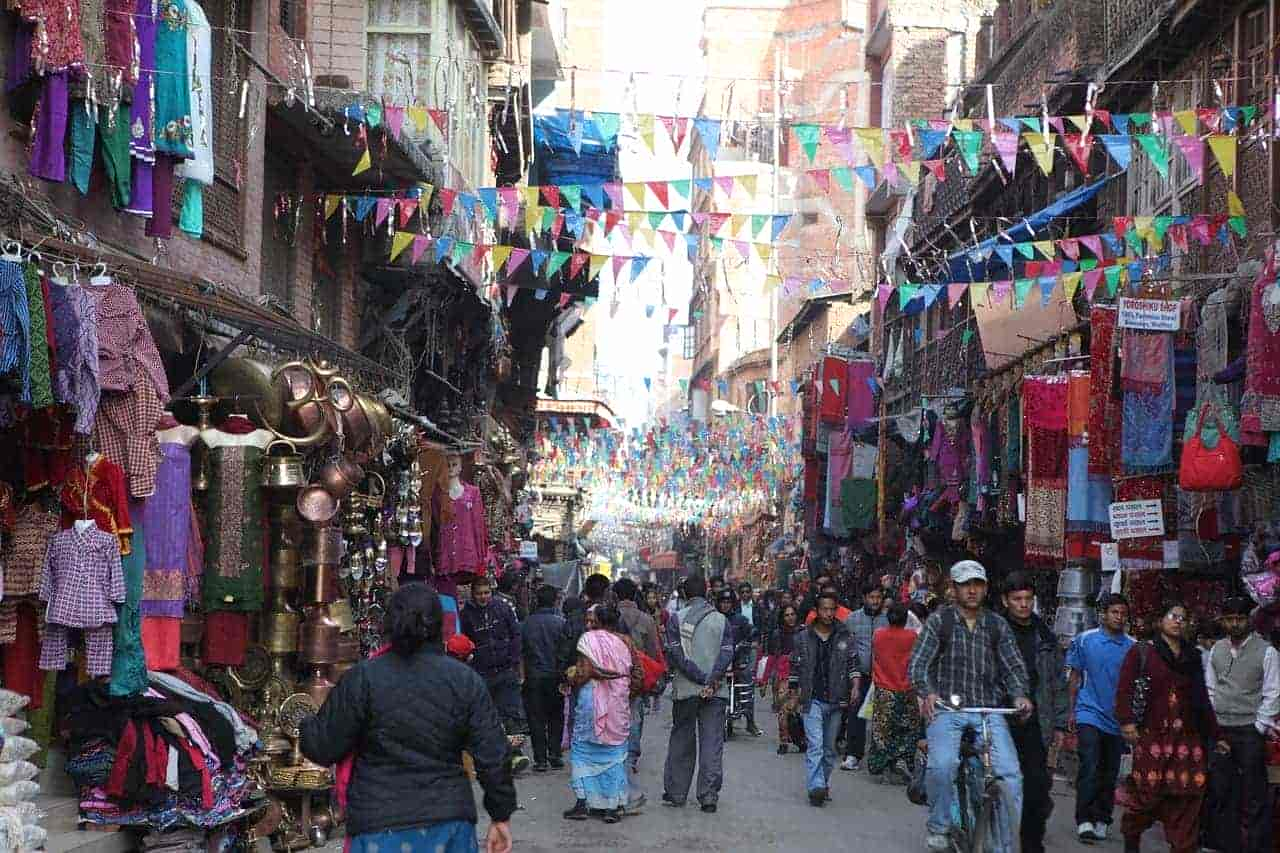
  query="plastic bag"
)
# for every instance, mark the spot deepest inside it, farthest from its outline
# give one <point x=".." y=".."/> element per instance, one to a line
<point x="11" y="703"/>
<point x="18" y="748"/>
<point x="17" y="771"/>
<point x="916" y="791"/>
<point x="868" y="705"/>
<point x="18" y="792"/>
<point x="13" y="726"/>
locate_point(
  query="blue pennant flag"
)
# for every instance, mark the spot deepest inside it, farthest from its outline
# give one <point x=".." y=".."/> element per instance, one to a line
<point x="866" y="174"/>
<point x="539" y="294"/>
<point x="780" y="223"/>
<point x="1114" y="246"/>
<point x="489" y="196"/>
<point x="364" y="204"/>
<point x="638" y="263"/>
<point x="1118" y="148"/>
<point x="1120" y="121"/>
<point x="538" y="257"/>
<point x="1005" y="251"/>
<point x="594" y="194"/>
<point x="709" y="131"/>
<point x="678" y="218"/>
<point x="444" y="245"/>
<point x="1047" y="284"/>
<point x="930" y="142"/>
<point x="468" y="202"/>
<point x="704" y="184"/>
<point x="1012" y="124"/>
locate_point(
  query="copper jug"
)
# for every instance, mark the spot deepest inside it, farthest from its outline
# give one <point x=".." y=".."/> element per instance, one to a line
<point x="318" y="639"/>
<point x="317" y="685"/>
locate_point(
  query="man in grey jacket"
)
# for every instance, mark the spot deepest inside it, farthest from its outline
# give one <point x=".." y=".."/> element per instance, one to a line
<point x="699" y="648"/>
<point x="822" y="679"/>
<point x="862" y="624"/>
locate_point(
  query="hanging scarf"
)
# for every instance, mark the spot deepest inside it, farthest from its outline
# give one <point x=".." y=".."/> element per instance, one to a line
<point x="1104" y="409"/>
<point x="1143" y="359"/>
<point x="1260" y="407"/>
<point x="1045" y="413"/>
<point x="1147" y="425"/>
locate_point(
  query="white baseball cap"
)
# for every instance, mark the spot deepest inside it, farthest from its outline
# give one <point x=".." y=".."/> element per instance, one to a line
<point x="968" y="570"/>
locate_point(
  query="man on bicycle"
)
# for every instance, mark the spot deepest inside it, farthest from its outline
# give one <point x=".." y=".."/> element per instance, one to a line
<point x="969" y="655"/>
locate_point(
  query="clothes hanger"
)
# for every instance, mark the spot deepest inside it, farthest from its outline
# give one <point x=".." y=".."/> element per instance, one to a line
<point x="100" y="278"/>
<point x="12" y="251"/>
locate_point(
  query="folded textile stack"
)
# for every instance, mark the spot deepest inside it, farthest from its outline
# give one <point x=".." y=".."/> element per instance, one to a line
<point x="171" y="756"/>
<point x="19" y="818"/>
<point x="177" y="841"/>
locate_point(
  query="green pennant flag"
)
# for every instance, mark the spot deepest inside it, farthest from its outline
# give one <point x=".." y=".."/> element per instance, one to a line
<point x="1027" y="250"/>
<point x="1160" y="224"/>
<point x="759" y="222"/>
<point x="1247" y="114"/>
<point x="681" y="188"/>
<point x="1021" y="287"/>
<point x="970" y="144"/>
<point x="1238" y="224"/>
<point x="1088" y="264"/>
<point x="1031" y="123"/>
<point x="548" y="218"/>
<point x="556" y="261"/>
<point x="461" y="251"/>
<point x="1135" y="242"/>
<point x="966" y="336"/>
<point x="907" y="292"/>
<point x="717" y="243"/>
<point x="373" y="114"/>
<point x="1113" y="279"/>
<point x="1139" y="119"/>
<point x="571" y="196"/>
<point x="844" y="177"/>
<point x="808" y="134"/>
<point x="655" y="218"/>
<point x="1155" y="148"/>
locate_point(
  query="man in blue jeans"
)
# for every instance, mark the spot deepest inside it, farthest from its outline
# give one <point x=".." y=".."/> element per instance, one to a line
<point x="968" y="655"/>
<point x="1093" y="662"/>
<point x="823" y="666"/>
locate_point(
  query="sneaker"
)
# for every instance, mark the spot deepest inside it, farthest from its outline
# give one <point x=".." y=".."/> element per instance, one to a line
<point x="556" y="763"/>
<point x="754" y="730"/>
<point x="636" y="806"/>
<point x="815" y="799"/>
<point x="709" y="808"/>
<point x="850" y="763"/>
<point x="541" y="767"/>
<point x="578" y="812"/>
<point x="938" y="843"/>
<point x="519" y="764"/>
<point x="1100" y="830"/>
<point x="612" y="815"/>
<point x="782" y="749"/>
<point x="668" y="800"/>
<point x="825" y="794"/>
<point x="1086" y="832"/>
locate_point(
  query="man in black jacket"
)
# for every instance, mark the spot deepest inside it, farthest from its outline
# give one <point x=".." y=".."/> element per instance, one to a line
<point x="491" y="624"/>
<point x="540" y="642"/>
<point x="593" y="592"/>
<point x="823" y="666"/>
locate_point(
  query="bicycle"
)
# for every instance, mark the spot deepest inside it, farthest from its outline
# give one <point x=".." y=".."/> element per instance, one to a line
<point x="977" y="792"/>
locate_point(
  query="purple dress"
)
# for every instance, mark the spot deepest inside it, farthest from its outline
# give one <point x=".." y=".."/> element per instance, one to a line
<point x="141" y="142"/>
<point x="75" y="332"/>
<point x="166" y="519"/>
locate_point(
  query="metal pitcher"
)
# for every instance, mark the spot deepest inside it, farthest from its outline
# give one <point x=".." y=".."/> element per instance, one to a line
<point x="283" y="471"/>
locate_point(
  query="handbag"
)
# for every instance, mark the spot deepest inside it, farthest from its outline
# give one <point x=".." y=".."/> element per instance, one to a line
<point x="1210" y="469"/>
<point x="654" y="670"/>
<point x="1141" y="686"/>
<point x="916" y="791"/>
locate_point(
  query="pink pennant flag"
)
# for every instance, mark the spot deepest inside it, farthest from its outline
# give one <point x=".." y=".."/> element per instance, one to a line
<point x="614" y="192"/>
<point x="724" y="184"/>
<point x="564" y="300"/>
<point x="1178" y="234"/>
<point x="557" y="225"/>
<point x="681" y="130"/>
<point x="1001" y="290"/>
<point x="510" y="201"/>
<point x="1200" y="230"/>
<point x="699" y="218"/>
<point x="902" y="142"/>
<point x="420" y="245"/>
<point x="822" y="177"/>
<point x="511" y="293"/>
<point x="1193" y="149"/>
<point x="1007" y="147"/>
<point x="447" y="198"/>
<point x="883" y="292"/>
<point x="1070" y="248"/>
<point x="669" y="238"/>
<point x="671" y="315"/>
<point x="1079" y="147"/>
<point x="939" y="169"/>
<point x="408" y="206"/>
<point x="1092" y="279"/>
<point x="744" y="249"/>
<point x="441" y="119"/>
<point x="842" y="139"/>
<point x="1056" y="123"/>
<point x="669" y="124"/>
<point x="939" y="124"/>
<point x="619" y="261"/>
<point x="717" y="221"/>
<point x="1093" y="243"/>
<point x="394" y="117"/>
<point x="518" y="257"/>
<point x="577" y="262"/>
<point x="381" y="210"/>
<point x="954" y="291"/>
<point x="891" y="172"/>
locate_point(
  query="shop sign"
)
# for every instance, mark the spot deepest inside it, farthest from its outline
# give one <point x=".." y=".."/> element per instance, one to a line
<point x="1136" y="519"/>
<point x="528" y="549"/>
<point x="1154" y="315"/>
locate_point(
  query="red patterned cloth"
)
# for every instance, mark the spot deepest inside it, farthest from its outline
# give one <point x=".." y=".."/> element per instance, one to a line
<point x="125" y="432"/>
<point x="1045" y="414"/>
<point x="1148" y="552"/>
<point x="1260" y="406"/>
<point x="97" y="491"/>
<point x="56" y="45"/>
<point x="1104" y="406"/>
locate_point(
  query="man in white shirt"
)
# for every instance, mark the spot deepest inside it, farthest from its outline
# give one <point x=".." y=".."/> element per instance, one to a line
<point x="1243" y="677"/>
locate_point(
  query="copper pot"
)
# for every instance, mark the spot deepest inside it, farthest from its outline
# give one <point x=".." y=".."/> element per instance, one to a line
<point x="321" y="585"/>
<point x="281" y="634"/>
<point x="316" y="505"/>
<point x="357" y="430"/>
<point x="317" y="686"/>
<point x="318" y="639"/>
<point x="326" y="546"/>
<point x="340" y="476"/>
<point x="285" y="568"/>
<point x="340" y="612"/>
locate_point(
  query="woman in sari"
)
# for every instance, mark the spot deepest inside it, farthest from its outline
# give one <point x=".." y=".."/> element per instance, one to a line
<point x="601" y="722"/>
<point x="895" y="714"/>
<point x="778" y="671"/>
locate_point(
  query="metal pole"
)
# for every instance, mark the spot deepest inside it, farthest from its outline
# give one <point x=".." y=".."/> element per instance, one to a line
<point x="773" y="293"/>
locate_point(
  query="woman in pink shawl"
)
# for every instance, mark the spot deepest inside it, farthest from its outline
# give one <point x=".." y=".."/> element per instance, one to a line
<point x="601" y="725"/>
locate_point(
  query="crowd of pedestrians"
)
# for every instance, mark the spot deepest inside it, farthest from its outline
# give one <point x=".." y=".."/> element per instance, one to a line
<point x="855" y="681"/>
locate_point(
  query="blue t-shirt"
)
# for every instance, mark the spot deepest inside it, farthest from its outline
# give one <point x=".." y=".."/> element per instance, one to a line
<point x="1097" y="656"/>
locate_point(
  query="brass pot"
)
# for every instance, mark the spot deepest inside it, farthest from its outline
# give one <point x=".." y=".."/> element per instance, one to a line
<point x="285" y="567"/>
<point x="340" y="612"/>
<point x="340" y="476"/>
<point x="317" y="685"/>
<point x="321" y="585"/>
<point x="318" y="639"/>
<point x="327" y="546"/>
<point x="348" y="648"/>
<point x="281" y="634"/>
<point x="316" y="505"/>
<point x="340" y="669"/>
<point x="283" y="471"/>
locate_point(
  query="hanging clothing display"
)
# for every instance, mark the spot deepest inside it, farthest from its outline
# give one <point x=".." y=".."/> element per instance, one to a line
<point x="83" y="580"/>
<point x="1104" y="408"/>
<point x="463" y="546"/>
<point x="199" y="167"/>
<point x="1260" y="406"/>
<point x="128" y="662"/>
<point x="141" y="119"/>
<point x="40" y="380"/>
<point x="172" y="120"/>
<point x="15" y="324"/>
<point x="235" y="517"/>
<point x="166" y="518"/>
<point x="96" y="490"/>
<point x="839" y="461"/>
<point x="75" y="329"/>
<point x="1045" y="415"/>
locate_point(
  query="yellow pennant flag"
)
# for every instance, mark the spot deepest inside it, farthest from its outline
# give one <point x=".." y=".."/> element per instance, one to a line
<point x="910" y="171"/>
<point x="1186" y="120"/>
<point x="1042" y="147"/>
<point x="500" y="254"/>
<point x="331" y="203"/>
<point x="418" y="115"/>
<point x="635" y="220"/>
<point x="597" y="262"/>
<point x="400" y="242"/>
<point x="872" y="139"/>
<point x="1235" y="207"/>
<point x="1080" y="122"/>
<point x="763" y="251"/>
<point x="1223" y="146"/>
<point x="748" y="183"/>
<point x="635" y="189"/>
<point x="978" y="293"/>
<point x="771" y="282"/>
<point x="532" y="218"/>
<point x="644" y="126"/>
<point x="1070" y="283"/>
<point x="427" y="191"/>
<point x="364" y="164"/>
<point x="962" y="123"/>
<point x="1142" y="225"/>
<point x="736" y="223"/>
<point x="531" y="196"/>
<point x="1044" y="247"/>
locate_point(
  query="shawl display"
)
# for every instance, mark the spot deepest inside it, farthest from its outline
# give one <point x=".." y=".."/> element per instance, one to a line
<point x="1088" y="496"/>
<point x="1045" y="414"/>
<point x="1147" y="552"/>
<point x="1212" y="337"/>
<point x="1147" y="426"/>
<point x="1260" y="407"/>
<point x="1104" y="408"/>
<point x="1078" y="383"/>
<point x="1143" y="358"/>
<point x="862" y="401"/>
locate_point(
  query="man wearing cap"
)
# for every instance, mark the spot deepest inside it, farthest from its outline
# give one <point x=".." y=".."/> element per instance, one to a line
<point x="969" y="656"/>
<point x="1243" y="677"/>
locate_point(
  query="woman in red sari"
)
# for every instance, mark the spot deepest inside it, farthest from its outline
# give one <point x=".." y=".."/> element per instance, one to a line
<point x="778" y="670"/>
<point x="1171" y="739"/>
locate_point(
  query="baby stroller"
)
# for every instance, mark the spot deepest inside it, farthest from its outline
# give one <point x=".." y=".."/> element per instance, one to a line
<point x="742" y="696"/>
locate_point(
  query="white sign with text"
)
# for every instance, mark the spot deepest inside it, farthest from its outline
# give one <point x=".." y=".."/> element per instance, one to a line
<point x="1136" y="519"/>
<point x="1154" y="315"/>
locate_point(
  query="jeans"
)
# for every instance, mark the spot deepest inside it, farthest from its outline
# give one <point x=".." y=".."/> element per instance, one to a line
<point x="545" y="706"/>
<point x="697" y="735"/>
<point x="855" y="733"/>
<point x="821" y="727"/>
<point x="637" y="728"/>
<point x="1239" y="795"/>
<point x="1037" y="802"/>
<point x="944" y="735"/>
<point x="1099" y="756"/>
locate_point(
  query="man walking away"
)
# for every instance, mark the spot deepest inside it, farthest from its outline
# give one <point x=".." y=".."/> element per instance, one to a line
<point x="1040" y="735"/>
<point x="1243" y="677"/>
<point x="757" y="615"/>
<point x="1093" y="663"/>
<point x="491" y="624"/>
<point x="968" y="652"/>
<point x="823" y="667"/>
<point x="699" y="648"/>
<point x="862" y="624"/>
<point x="644" y="633"/>
<point x="545" y="706"/>
<point x="594" y="589"/>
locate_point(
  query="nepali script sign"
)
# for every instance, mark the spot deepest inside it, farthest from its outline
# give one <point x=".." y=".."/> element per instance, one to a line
<point x="1136" y="519"/>
<point x="1153" y="315"/>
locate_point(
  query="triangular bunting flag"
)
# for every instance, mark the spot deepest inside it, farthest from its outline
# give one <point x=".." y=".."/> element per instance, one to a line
<point x="1118" y="148"/>
<point x="1156" y="150"/>
<point x="1223" y="147"/>
<point x="399" y="242"/>
<point x="808" y="136"/>
<point x="1041" y="149"/>
<point x="872" y="139"/>
<point x="1192" y="148"/>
